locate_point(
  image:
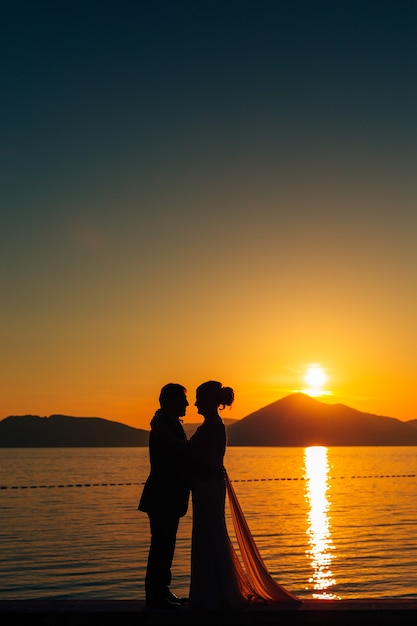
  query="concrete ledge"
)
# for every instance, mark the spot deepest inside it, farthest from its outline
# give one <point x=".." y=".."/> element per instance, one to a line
<point x="126" y="612"/>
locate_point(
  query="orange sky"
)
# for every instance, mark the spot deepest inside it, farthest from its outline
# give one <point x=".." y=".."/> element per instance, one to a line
<point x="181" y="205"/>
<point x="259" y="377"/>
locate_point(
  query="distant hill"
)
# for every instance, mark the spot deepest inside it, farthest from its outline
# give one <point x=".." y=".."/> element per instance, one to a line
<point x="192" y="427"/>
<point x="56" y="431"/>
<point x="299" y="420"/>
<point x="296" y="420"/>
<point x="63" y="431"/>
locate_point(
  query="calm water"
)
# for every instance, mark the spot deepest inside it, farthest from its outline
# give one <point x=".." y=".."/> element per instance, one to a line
<point x="329" y="522"/>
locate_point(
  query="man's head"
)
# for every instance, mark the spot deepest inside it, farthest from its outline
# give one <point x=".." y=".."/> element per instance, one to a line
<point x="173" y="399"/>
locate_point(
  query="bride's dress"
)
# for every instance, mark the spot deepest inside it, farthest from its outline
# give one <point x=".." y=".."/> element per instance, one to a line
<point x="219" y="579"/>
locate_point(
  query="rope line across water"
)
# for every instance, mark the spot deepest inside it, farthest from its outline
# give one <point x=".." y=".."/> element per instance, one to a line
<point x="243" y="480"/>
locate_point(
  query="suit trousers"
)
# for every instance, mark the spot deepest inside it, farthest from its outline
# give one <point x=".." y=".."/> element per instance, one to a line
<point x="163" y="527"/>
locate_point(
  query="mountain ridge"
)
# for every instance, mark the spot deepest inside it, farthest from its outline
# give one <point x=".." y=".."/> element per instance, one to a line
<point x="295" y="420"/>
<point x="299" y="420"/>
<point x="56" y="431"/>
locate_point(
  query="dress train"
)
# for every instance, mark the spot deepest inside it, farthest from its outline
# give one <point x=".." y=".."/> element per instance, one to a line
<point x="262" y="583"/>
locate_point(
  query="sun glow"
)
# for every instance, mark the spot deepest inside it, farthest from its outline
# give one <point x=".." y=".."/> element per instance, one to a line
<point x="321" y="548"/>
<point x="315" y="378"/>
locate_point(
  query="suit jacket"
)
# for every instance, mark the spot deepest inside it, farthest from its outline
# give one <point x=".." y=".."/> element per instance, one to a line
<point x="167" y="488"/>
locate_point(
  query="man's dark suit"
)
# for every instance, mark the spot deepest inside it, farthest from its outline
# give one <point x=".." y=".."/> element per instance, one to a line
<point x="165" y="498"/>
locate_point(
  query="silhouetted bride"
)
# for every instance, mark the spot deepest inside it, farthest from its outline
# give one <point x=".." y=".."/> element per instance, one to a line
<point x="219" y="580"/>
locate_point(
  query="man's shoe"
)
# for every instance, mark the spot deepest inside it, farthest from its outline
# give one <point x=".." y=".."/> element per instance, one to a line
<point x="173" y="598"/>
<point x="165" y="605"/>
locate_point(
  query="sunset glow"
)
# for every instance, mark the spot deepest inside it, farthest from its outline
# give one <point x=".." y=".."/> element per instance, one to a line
<point x="195" y="193"/>
<point x="321" y="546"/>
<point x="315" y="376"/>
<point x="315" y="379"/>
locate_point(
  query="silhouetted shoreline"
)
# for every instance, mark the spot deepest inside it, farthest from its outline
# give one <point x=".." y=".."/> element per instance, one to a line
<point x="294" y="421"/>
<point x="310" y="612"/>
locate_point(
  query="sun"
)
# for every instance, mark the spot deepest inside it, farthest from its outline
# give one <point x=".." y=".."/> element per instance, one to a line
<point x="315" y="378"/>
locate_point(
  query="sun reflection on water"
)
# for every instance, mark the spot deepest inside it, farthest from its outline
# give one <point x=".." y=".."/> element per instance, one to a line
<point x="321" y="546"/>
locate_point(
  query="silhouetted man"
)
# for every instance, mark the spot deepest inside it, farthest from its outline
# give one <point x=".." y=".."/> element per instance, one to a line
<point x="166" y="493"/>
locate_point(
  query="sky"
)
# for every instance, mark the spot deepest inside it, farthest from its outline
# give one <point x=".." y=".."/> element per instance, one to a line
<point x="196" y="190"/>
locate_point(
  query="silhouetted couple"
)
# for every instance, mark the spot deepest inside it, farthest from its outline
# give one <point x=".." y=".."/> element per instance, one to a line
<point x="178" y="467"/>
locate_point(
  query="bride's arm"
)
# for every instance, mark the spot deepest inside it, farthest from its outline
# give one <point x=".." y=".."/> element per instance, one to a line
<point x="189" y="450"/>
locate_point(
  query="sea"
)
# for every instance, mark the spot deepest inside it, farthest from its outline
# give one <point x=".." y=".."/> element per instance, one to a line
<point x="329" y="523"/>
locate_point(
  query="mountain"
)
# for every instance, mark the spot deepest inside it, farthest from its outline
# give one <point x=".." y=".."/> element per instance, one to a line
<point x="63" y="431"/>
<point x="296" y="420"/>
<point x="56" y="431"/>
<point x="299" y="420"/>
